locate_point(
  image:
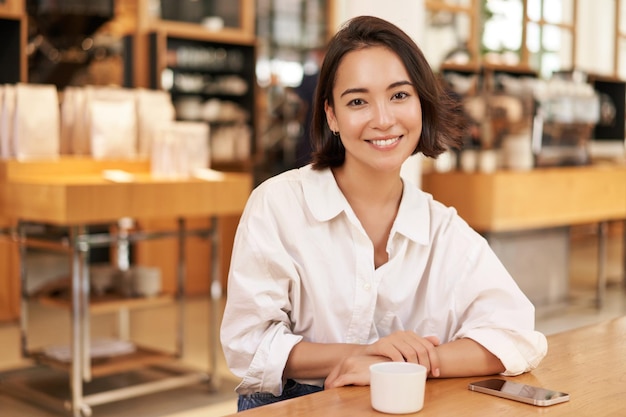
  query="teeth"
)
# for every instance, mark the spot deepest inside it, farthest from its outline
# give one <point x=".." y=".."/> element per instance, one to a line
<point x="385" y="142"/>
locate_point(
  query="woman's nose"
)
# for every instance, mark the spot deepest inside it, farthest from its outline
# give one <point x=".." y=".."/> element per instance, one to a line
<point x="383" y="116"/>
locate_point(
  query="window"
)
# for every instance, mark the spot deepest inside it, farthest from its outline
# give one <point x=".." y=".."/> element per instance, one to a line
<point x="538" y="34"/>
<point x="550" y="35"/>
<point x="451" y="32"/>
<point x="502" y="35"/>
<point x="620" y="39"/>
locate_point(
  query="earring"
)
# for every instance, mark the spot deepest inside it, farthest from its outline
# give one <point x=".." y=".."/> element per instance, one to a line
<point x="335" y="133"/>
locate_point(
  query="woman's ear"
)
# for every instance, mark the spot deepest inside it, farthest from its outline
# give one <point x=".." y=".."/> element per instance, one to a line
<point x="330" y="117"/>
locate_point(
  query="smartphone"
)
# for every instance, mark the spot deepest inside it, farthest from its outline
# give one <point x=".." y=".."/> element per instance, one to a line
<point x="519" y="392"/>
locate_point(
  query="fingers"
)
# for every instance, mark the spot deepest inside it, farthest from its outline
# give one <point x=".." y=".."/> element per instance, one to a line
<point x="434" y="358"/>
<point x="426" y="353"/>
<point x="407" y="346"/>
<point x="393" y="348"/>
<point x="433" y="339"/>
<point x="348" y="379"/>
<point x="402" y="346"/>
<point x="352" y="370"/>
<point x="331" y="379"/>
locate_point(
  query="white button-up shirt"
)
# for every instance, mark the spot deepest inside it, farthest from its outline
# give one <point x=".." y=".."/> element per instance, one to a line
<point x="303" y="269"/>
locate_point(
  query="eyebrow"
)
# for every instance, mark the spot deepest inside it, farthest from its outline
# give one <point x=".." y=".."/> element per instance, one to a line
<point x="364" y="90"/>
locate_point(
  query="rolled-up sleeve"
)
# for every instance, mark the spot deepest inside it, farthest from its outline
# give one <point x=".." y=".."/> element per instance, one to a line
<point x="255" y="331"/>
<point x="497" y="314"/>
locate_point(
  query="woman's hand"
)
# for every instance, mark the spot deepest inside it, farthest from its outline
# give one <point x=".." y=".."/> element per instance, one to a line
<point x="406" y="346"/>
<point x="353" y="370"/>
<point x="403" y="346"/>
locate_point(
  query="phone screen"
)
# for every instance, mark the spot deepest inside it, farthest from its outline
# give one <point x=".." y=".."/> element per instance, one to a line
<point x="519" y="392"/>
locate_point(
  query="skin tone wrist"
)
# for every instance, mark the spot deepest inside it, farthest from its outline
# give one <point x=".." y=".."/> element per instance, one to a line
<point x="348" y="364"/>
<point x="317" y="360"/>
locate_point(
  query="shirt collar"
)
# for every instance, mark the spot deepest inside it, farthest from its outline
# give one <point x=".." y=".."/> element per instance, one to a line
<point x="412" y="221"/>
<point x="322" y="183"/>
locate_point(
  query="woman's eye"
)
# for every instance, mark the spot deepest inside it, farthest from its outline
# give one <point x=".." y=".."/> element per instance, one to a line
<point x="356" y="102"/>
<point x="400" y="96"/>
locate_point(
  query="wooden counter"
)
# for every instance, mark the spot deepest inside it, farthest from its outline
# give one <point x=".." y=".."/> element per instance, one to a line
<point x="540" y="198"/>
<point x="72" y="191"/>
<point x="587" y="363"/>
<point x="519" y="211"/>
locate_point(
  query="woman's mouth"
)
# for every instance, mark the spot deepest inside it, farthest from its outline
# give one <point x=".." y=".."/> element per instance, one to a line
<point x="384" y="142"/>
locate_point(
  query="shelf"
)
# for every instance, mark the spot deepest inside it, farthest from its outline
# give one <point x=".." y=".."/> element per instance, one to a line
<point x="207" y="61"/>
<point x="474" y="68"/>
<point x="207" y="95"/>
<point x="13" y="35"/>
<point x="193" y="31"/>
<point x="232" y="166"/>
<point x="469" y="68"/>
<point x="109" y="303"/>
<point x="12" y="9"/>
<point x="142" y="357"/>
<point x="239" y="19"/>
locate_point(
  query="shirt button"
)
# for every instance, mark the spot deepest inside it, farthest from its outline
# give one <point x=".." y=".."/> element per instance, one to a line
<point x="367" y="287"/>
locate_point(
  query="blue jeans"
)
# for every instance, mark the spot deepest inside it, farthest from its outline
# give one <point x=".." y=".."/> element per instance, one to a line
<point x="292" y="389"/>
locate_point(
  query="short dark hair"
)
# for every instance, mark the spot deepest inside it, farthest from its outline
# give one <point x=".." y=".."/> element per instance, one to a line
<point x="440" y="124"/>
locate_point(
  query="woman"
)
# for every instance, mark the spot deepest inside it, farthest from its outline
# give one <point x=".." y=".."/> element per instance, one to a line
<point x="342" y="263"/>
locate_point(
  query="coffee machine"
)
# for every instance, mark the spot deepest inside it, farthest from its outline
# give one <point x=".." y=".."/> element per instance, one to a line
<point x="565" y="116"/>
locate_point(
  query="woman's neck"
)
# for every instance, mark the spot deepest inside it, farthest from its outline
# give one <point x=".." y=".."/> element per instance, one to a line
<point x="367" y="187"/>
<point x="375" y="200"/>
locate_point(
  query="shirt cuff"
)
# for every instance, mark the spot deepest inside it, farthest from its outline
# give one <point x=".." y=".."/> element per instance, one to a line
<point x="518" y="353"/>
<point x="265" y="373"/>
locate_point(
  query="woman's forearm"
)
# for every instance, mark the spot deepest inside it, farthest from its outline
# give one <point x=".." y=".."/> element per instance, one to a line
<point x="466" y="357"/>
<point x="315" y="360"/>
<point x="460" y="358"/>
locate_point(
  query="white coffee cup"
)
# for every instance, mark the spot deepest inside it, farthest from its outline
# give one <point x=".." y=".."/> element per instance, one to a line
<point x="397" y="387"/>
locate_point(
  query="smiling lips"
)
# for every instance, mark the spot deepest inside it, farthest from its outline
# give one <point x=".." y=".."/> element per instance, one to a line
<point x="384" y="142"/>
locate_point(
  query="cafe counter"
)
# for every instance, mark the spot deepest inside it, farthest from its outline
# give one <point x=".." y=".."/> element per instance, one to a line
<point x="526" y="217"/>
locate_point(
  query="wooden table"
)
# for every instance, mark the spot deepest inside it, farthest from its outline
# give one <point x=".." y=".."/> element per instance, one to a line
<point x="72" y="193"/>
<point x="508" y="201"/>
<point x="588" y="363"/>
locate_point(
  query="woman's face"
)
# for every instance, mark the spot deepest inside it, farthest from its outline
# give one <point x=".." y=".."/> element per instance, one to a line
<point x="376" y="110"/>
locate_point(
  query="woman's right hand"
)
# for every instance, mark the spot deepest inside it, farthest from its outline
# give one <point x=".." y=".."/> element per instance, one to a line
<point x="353" y="370"/>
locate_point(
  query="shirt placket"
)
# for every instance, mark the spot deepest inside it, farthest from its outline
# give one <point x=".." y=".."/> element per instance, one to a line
<point x="364" y="289"/>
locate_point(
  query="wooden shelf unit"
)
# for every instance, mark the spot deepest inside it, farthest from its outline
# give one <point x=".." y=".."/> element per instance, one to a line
<point x="71" y="194"/>
<point x="12" y="9"/>
<point x="13" y="32"/>
<point x="164" y="47"/>
<point x="140" y="358"/>
<point x="110" y="303"/>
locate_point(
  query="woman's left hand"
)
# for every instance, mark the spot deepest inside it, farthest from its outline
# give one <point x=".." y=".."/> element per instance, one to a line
<point x="407" y="346"/>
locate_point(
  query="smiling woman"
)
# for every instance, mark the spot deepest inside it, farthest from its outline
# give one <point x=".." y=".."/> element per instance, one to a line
<point x="376" y="110"/>
<point x="341" y="263"/>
